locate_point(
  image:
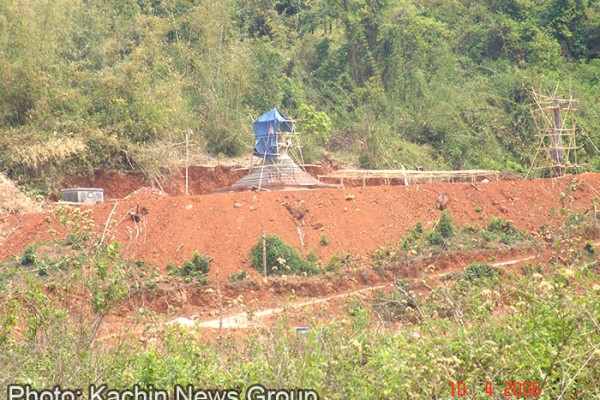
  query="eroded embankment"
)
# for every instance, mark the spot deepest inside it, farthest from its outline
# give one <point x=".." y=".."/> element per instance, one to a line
<point x="356" y="221"/>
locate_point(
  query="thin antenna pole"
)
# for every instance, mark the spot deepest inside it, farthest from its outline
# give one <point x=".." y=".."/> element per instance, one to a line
<point x="187" y="161"/>
<point x="264" y="253"/>
<point x="262" y="167"/>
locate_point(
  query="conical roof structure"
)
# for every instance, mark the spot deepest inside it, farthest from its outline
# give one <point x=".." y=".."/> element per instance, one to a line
<point x="274" y="136"/>
<point x="278" y="174"/>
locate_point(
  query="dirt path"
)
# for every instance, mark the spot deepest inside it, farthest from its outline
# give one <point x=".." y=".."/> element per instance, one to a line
<point x="244" y="320"/>
<point x="248" y="320"/>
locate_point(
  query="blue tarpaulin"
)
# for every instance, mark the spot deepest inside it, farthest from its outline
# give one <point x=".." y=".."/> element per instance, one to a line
<point x="266" y="129"/>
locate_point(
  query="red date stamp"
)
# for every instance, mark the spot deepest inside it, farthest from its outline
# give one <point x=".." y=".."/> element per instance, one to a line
<point x="511" y="389"/>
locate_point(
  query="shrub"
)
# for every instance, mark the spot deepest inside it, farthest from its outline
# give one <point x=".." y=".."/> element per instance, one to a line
<point x="479" y="271"/>
<point x="418" y="228"/>
<point x="238" y="276"/>
<point x="313" y="258"/>
<point x="29" y="257"/>
<point x="197" y="268"/>
<point x="444" y="229"/>
<point x="528" y="269"/>
<point x="200" y="264"/>
<point x="500" y="225"/>
<point x="324" y="240"/>
<point x="589" y="249"/>
<point x="412" y="240"/>
<point x="505" y="230"/>
<point x="487" y="236"/>
<point x="282" y="259"/>
<point x="445" y="225"/>
<point x="338" y="261"/>
<point x="435" y="238"/>
<point x="315" y="123"/>
<point x="43" y="270"/>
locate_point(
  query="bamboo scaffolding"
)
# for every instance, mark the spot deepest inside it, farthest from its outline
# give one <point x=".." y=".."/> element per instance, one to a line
<point x="408" y="177"/>
<point x="555" y="128"/>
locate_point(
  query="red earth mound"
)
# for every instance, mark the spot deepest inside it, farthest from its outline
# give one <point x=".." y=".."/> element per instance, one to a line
<point x="356" y="220"/>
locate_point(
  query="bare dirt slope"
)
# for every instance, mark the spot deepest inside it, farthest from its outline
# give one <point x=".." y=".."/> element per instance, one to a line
<point x="356" y="220"/>
<point x="120" y="184"/>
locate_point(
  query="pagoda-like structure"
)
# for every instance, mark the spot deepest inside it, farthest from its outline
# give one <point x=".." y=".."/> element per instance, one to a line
<point x="275" y="141"/>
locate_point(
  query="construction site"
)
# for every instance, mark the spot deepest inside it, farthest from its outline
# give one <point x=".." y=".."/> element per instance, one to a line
<point x="299" y="200"/>
<point x="227" y="210"/>
<point x="228" y="258"/>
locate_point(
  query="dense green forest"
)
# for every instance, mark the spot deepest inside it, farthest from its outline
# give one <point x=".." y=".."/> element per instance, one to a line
<point x="382" y="83"/>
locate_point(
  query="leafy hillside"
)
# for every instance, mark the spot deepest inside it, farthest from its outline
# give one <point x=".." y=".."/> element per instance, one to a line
<point x="444" y="84"/>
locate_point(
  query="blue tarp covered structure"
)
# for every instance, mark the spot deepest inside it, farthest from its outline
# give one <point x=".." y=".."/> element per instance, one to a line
<point x="266" y="129"/>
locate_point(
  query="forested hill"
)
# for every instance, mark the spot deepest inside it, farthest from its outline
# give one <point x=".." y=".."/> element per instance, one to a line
<point x="439" y="83"/>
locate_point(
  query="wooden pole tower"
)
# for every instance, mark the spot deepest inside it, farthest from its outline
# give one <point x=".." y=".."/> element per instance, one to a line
<point x="554" y="121"/>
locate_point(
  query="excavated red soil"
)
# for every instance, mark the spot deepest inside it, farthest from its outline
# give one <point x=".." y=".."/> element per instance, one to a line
<point x="202" y="180"/>
<point x="355" y="220"/>
<point x="117" y="185"/>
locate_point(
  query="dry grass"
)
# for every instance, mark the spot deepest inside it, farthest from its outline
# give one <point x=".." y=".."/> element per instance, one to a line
<point x="54" y="151"/>
<point x="12" y="201"/>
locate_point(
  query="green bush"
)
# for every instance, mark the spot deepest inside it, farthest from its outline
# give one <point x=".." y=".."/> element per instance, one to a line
<point x="315" y="123"/>
<point x="238" y="276"/>
<point x="504" y="230"/>
<point x="29" y="257"/>
<point x="445" y="225"/>
<point x="479" y="271"/>
<point x="500" y="225"/>
<point x="418" y="228"/>
<point x="200" y="264"/>
<point x="43" y="270"/>
<point x="528" y="269"/>
<point x="195" y="269"/>
<point x="282" y="259"/>
<point x="413" y="238"/>
<point x="589" y="249"/>
<point x="435" y="238"/>
<point x="338" y="261"/>
<point x="443" y="231"/>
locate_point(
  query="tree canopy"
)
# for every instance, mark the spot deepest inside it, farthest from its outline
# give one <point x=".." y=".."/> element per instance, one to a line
<point x="444" y="84"/>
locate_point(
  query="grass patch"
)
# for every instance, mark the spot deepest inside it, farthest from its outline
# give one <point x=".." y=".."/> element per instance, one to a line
<point x="324" y="241"/>
<point x="447" y="236"/>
